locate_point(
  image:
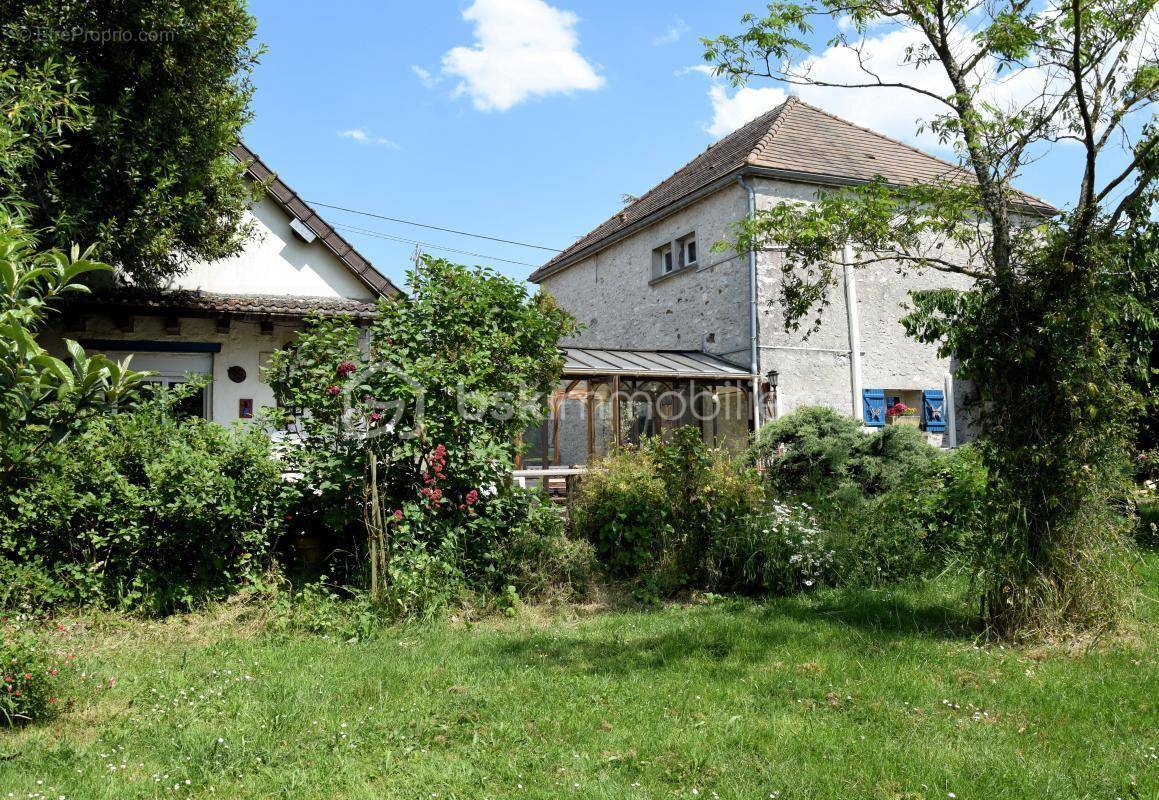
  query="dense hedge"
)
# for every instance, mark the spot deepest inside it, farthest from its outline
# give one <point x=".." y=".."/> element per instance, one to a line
<point x="142" y="511"/>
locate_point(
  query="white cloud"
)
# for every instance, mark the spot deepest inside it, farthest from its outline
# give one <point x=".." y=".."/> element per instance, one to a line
<point x="894" y="112"/>
<point x="523" y="49"/>
<point x="672" y="34"/>
<point x="362" y="136"/>
<point x="730" y="111"/>
<point x="424" y="75"/>
<point x="733" y="108"/>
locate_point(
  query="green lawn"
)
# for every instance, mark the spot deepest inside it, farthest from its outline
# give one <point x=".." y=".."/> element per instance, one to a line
<point x="841" y="695"/>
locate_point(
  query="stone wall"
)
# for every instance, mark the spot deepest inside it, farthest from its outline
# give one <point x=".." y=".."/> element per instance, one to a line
<point x="615" y="295"/>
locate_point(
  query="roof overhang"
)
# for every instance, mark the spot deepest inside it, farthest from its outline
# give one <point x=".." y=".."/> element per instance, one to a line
<point x="298" y="209"/>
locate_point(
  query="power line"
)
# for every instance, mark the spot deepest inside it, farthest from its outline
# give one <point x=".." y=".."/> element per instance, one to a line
<point x="435" y="227"/>
<point x="379" y="234"/>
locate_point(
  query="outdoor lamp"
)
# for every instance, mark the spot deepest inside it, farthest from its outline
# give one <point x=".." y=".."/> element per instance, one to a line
<point x="772" y="375"/>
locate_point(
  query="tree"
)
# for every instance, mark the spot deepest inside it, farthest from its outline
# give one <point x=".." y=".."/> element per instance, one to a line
<point x="412" y="427"/>
<point x="1033" y="330"/>
<point x="42" y="397"/>
<point x="158" y="94"/>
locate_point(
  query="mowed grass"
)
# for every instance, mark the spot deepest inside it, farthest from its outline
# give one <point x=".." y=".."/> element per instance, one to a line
<point x="840" y="695"/>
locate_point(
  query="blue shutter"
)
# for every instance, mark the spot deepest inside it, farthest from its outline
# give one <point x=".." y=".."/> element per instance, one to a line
<point x="934" y="410"/>
<point x="873" y="407"/>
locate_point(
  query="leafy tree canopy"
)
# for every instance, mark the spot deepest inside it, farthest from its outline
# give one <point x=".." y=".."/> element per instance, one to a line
<point x="1041" y="329"/>
<point x="145" y="100"/>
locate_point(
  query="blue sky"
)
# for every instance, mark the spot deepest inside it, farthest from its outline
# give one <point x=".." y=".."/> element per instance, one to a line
<point x="427" y="112"/>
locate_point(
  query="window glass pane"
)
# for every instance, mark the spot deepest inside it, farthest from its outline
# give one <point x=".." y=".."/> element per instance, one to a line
<point x="603" y="434"/>
<point x="691" y="252"/>
<point x="191" y="406"/>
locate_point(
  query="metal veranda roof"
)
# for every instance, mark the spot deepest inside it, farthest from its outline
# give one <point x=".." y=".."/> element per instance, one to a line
<point x="648" y="364"/>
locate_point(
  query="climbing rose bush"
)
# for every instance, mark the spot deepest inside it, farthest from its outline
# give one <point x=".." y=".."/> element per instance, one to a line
<point x="406" y="432"/>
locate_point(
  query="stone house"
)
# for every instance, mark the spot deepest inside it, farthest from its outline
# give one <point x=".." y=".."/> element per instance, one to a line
<point x="222" y="319"/>
<point x="648" y="278"/>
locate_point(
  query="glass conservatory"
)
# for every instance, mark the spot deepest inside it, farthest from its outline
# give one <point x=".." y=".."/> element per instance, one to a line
<point x="611" y="398"/>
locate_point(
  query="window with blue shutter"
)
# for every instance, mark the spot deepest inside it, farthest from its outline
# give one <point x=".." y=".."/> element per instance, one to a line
<point x="873" y="407"/>
<point x="934" y="410"/>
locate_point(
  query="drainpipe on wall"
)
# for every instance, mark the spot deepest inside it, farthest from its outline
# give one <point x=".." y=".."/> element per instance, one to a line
<point x="754" y="358"/>
<point x="854" y="330"/>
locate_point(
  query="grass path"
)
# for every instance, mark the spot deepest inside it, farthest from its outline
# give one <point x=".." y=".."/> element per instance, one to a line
<point x="840" y="695"/>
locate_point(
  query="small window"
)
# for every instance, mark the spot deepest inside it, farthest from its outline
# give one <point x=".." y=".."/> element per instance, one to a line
<point x="662" y="261"/>
<point x="674" y="256"/>
<point x="689" y="247"/>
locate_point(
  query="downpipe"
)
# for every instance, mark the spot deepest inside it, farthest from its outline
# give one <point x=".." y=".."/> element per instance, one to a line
<point x="754" y="355"/>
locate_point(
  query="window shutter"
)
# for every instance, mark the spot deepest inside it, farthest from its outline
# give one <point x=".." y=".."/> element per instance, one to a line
<point x="873" y="407"/>
<point x="934" y="410"/>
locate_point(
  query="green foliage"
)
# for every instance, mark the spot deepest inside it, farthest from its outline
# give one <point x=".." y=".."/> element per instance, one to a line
<point x="33" y="675"/>
<point x="541" y="562"/>
<point x="778" y="550"/>
<point x="413" y="436"/>
<point x="141" y="510"/>
<point x="324" y="609"/>
<point x="42" y="397"/>
<point x="816" y="450"/>
<point x="141" y="104"/>
<point x="1056" y="328"/>
<point x="620" y="505"/>
<point x="654" y="513"/>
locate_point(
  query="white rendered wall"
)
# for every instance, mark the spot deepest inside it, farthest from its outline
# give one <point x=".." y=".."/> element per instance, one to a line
<point x="276" y="261"/>
<point x="243" y="346"/>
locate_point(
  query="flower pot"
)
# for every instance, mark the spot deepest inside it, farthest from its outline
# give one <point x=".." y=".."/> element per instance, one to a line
<point x="912" y="420"/>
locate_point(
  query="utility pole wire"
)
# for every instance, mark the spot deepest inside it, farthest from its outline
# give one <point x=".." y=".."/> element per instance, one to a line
<point x="381" y="235"/>
<point x="435" y="227"/>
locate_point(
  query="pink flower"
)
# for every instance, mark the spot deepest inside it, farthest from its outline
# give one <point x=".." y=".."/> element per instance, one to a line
<point x="346" y="367"/>
<point x="375" y="416"/>
<point x="333" y="391"/>
<point x="472" y="497"/>
<point x="397" y="514"/>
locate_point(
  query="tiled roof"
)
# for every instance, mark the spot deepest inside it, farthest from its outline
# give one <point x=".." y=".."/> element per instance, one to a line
<point x="199" y="303"/>
<point x="794" y="141"/>
<point x="289" y="200"/>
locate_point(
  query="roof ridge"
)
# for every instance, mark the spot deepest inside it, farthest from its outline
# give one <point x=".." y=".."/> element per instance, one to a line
<point x="771" y="133"/>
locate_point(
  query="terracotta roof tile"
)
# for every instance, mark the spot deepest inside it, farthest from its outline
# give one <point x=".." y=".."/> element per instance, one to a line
<point x="200" y="303"/>
<point x="796" y="140"/>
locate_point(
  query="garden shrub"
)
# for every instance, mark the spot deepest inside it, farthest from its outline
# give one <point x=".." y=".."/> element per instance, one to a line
<point x="142" y="510"/>
<point x="620" y="505"/>
<point x="778" y="551"/>
<point x="540" y="562"/>
<point x="815" y="450"/>
<point x="411" y="428"/>
<point x="654" y="512"/>
<point x="35" y="677"/>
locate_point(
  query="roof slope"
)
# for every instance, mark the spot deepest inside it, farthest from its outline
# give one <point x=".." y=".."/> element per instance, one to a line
<point x="297" y="208"/>
<point x="794" y="141"/>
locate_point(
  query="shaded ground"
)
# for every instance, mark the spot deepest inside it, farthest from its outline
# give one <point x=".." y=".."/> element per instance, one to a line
<point x="840" y="695"/>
